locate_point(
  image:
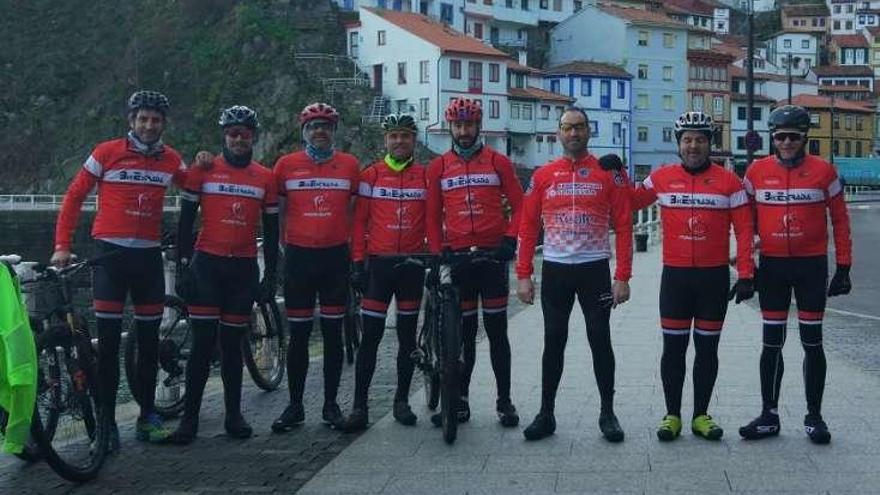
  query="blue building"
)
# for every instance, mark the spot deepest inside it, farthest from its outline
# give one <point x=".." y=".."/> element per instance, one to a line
<point x="604" y="91"/>
<point x="650" y="46"/>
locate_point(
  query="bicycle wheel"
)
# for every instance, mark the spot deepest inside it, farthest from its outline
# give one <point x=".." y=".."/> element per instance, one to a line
<point x="450" y="353"/>
<point x="77" y="445"/>
<point x="175" y="342"/>
<point x="428" y="368"/>
<point x="265" y="347"/>
<point x="352" y="325"/>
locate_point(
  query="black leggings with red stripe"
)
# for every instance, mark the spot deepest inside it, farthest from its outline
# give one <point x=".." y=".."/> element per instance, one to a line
<point x="311" y="273"/>
<point x="138" y="272"/>
<point x="386" y="277"/>
<point x="697" y="297"/>
<point x="807" y="277"/>
<point x="488" y="283"/>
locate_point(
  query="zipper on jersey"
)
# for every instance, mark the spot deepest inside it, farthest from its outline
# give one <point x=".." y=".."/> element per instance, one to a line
<point x="693" y="234"/>
<point x="467" y="181"/>
<point x="400" y="210"/>
<point x="787" y="218"/>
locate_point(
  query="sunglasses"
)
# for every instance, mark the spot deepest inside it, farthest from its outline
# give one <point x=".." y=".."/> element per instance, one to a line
<point x="240" y="133"/>
<point x="791" y="136"/>
<point x="316" y="125"/>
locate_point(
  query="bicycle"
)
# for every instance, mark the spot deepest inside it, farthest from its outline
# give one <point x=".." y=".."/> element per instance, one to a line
<point x="70" y="427"/>
<point x="439" y="342"/>
<point x="352" y="324"/>
<point x="264" y="350"/>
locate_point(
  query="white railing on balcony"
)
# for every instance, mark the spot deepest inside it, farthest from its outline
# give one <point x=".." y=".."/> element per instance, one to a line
<point x="32" y="202"/>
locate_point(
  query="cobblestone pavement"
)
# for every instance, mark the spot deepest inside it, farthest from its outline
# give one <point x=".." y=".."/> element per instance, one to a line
<point x="216" y="464"/>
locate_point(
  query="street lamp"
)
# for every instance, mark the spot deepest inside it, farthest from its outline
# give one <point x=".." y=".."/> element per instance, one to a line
<point x="750" y="79"/>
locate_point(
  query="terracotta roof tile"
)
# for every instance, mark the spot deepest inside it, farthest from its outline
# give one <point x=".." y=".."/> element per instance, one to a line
<point x="436" y="33"/>
<point x="518" y="67"/>
<point x="758" y="98"/>
<point x="641" y="16"/>
<point x="850" y="40"/>
<point x="532" y="93"/>
<point x="843" y="70"/>
<point x="805" y="10"/>
<point x="587" y="68"/>
<point x="815" y="101"/>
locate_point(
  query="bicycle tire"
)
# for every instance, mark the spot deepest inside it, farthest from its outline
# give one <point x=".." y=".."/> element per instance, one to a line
<point x="81" y="404"/>
<point x="266" y="332"/>
<point x="352" y="325"/>
<point x="428" y="369"/>
<point x="450" y="354"/>
<point x="174" y="341"/>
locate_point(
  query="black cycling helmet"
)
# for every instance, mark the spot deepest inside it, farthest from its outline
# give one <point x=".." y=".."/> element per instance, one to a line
<point x="399" y="122"/>
<point x="239" y="115"/>
<point x="694" y="121"/>
<point x="789" y="117"/>
<point x="150" y="100"/>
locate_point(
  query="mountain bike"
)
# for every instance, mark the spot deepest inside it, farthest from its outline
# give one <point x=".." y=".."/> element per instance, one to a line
<point x="439" y="345"/>
<point x="69" y="427"/>
<point x="264" y="350"/>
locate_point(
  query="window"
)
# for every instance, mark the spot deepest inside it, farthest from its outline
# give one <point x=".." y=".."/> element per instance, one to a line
<point x="545" y="112"/>
<point x="668" y="102"/>
<point x="401" y="73"/>
<point x="835" y="121"/>
<point x="508" y="4"/>
<point x="859" y="123"/>
<point x="837" y="9"/>
<point x="446" y="13"/>
<point x="836" y="25"/>
<point x="858" y="148"/>
<point x="786" y="43"/>
<point x="586" y="86"/>
<point x="519" y="81"/>
<point x="643" y="71"/>
<point x="423" y="71"/>
<point x="616" y="130"/>
<point x="849" y="9"/>
<point x="643" y="38"/>
<point x="527" y="112"/>
<point x="668" y="40"/>
<point x="578" y="5"/>
<point x="756" y="114"/>
<point x="718" y="105"/>
<point x="814" y="120"/>
<point x="544" y="4"/>
<point x="741" y="142"/>
<point x="454" y="69"/>
<point x="741" y="113"/>
<point x="667" y="73"/>
<point x="380" y="38"/>
<point x="524" y="4"/>
<point x="667" y="134"/>
<point x="557" y="5"/>
<point x="494" y="73"/>
<point x="642" y="101"/>
<point x="814" y="146"/>
<point x="642" y="134"/>
<point x="847" y="146"/>
<point x="849" y="25"/>
<point x="848" y="122"/>
<point x="805" y="44"/>
<point x="559" y="111"/>
<point x="621" y="90"/>
<point x="423" y="108"/>
<point x="478" y="30"/>
<point x="494" y="109"/>
<point x="475" y="76"/>
<point x="835" y="148"/>
<point x="554" y="86"/>
<point x="697" y="103"/>
<point x="514" y="111"/>
<point x="594" y="128"/>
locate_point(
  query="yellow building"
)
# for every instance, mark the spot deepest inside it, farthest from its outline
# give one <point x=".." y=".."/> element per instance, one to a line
<point x="846" y="127"/>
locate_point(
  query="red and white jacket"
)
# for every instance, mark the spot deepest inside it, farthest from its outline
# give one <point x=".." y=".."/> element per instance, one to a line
<point x="318" y="210"/>
<point x="697" y="211"/>
<point x="576" y="202"/>
<point x="389" y="213"/>
<point x="791" y="204"/>
<point x="131" y="193"/>
<point x="232" y="200"/>
<point x="465" y="207"/>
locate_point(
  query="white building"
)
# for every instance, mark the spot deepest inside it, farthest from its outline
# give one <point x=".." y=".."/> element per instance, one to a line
<point x="802" y="47"/>
<point x="739" y="125"/>
<point x="843" y="16"/>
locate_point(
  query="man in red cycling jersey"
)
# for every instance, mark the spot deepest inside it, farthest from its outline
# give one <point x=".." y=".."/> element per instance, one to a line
<point x="131" y="174"/>
<point x="791" y="192"/>
<point x="317" y="187"/>
<point x="389" y="220"/>
<point x="467" y="186"/>
<point x="219" y="282"/>
<point x="698" y="201"/>
<point x="575" y="201"/>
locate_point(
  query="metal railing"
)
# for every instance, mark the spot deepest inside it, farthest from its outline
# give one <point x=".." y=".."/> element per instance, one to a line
<point x="861" y="194"/>
<point x="35" y="202"/>
<point x="647" y="220"/>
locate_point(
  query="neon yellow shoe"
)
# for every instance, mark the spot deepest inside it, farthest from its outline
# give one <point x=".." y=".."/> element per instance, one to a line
<point x="670" y="428"/>
<point x="704" y="426"/>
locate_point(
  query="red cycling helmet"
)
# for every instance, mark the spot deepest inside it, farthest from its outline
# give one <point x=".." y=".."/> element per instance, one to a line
<point x="318" y="111"/>
<point x="463" y="109"/>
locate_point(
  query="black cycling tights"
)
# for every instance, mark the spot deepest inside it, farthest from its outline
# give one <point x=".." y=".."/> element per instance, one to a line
<point x="109" y="336"/>
<point x="199" y="365"/>
<point x="499" y="350"/>
<point x="374" y="328"/>
<point x="591" y="282"/>
<point x="673" y="366"/>
<point x="772" y="366"/>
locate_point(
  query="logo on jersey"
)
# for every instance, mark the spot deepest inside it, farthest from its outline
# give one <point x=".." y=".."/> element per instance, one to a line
<point x="319" y="207"/>
<point x="677" y="200"/>
<point x="318" y="183"/>
<point x="142" y="208"/>
<point x="792" y="226"/>
<point x="237" y="215"/>
<point x="133" y="176"/>
<point x="772" y="180"/>
<point x="583" y="172"/>
<point x="476" y="180"/>
<point x="233" y="190"/>
<point x="695" y="229"/>
<point x="678" y="184"/>
<point x="787" y="196"/>
<point x="395" y="193"/>
<point x="574" y="189"/>
<point x="570" y="219"/>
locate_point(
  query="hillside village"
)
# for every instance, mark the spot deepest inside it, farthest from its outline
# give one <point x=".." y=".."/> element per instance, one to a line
<point x="633" y="65"/>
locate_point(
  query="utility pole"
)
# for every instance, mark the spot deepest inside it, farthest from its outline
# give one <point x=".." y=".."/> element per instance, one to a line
<point x="831" y="144"/>
<point x="750" y="81"/>
<point x="789" y="78"/>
